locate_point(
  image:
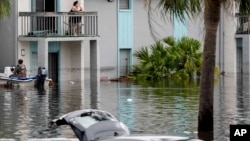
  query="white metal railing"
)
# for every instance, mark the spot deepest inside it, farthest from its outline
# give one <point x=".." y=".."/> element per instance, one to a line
<point x="58" y="24"/>
<point x="243" y="24"/>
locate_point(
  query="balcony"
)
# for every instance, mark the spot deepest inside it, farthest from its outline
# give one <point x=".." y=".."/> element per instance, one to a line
<point x="243" y="24"/>
<point x="58" y="24"/>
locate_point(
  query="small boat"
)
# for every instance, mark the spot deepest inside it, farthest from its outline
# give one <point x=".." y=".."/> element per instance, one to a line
<point x="98" y="125"/>
<point x="29" y="81"/>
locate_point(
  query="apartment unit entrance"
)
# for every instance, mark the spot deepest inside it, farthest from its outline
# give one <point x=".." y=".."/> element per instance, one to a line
<point x="239" y="55"/>
<point x="53" y="63"/>
<point x="125" y="36"/>
<point x="53" y="60"/>
<point x="125" y="57"/>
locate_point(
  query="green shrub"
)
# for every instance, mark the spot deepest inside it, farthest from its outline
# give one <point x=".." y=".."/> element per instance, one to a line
<point x="169" y="58"/>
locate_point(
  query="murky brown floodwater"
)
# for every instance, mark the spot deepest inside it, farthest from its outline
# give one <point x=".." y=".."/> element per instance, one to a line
<point x="169" y="108"/>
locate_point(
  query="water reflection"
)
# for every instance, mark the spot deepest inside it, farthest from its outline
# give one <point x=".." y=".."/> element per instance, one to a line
<point x="94" y="97"/>
<point x="165" y="107"/>
<point x="232" y="104"/>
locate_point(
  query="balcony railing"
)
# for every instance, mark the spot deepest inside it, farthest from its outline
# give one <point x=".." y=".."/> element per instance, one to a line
<point x="53" y="24"/>
<point x="243" y="24"/>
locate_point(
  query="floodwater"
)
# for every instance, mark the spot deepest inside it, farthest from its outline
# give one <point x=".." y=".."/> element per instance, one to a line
<point x="165" y="107"/>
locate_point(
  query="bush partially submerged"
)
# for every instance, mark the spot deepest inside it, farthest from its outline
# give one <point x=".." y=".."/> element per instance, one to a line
<point x="169" y="58"/>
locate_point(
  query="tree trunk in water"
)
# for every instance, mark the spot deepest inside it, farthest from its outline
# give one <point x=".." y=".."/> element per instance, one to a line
<point x="211" y="21"/>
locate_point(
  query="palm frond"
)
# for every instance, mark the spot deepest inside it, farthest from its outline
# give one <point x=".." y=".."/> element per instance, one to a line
<point x="179" y="57"/>
<point x="5" y="8"/>
<point x="180" y="8"/>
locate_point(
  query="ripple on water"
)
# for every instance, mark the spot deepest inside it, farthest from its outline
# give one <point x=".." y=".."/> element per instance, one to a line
<point x="146" y="109"/>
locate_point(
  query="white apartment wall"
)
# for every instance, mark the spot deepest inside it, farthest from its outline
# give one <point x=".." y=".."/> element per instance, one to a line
<point x="229" y="42"/>
<point x="107" y="29"/>
<point x="24" y="5"/>
<point x="65" y="64"/>
<point x="195" y="28"/>
<point x="70" y="63"/>
<point x="26" y="57"/>
<point x="76" y="61"/>
<point x="142" y="34"/>
<point x="66" y="5"/>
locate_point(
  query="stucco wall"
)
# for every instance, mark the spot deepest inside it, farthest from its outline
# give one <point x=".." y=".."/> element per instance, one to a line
<point x="24" y="5"/>
<point x="68" y="53"/>
<point x="229" y="43"/>
<point x="161" y="27"/>
<point x="107" y="28"/>
<point x="26" y="57"/>
<point x="66" y="5"/>
<point x="195" y="28"/>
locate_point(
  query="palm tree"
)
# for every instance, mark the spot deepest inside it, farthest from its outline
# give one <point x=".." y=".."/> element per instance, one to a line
<point x="5" y="8"/>
<point x="211" y="9"/>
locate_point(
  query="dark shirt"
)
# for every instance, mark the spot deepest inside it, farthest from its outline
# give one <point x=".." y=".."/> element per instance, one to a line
<point x="74" y="19"/>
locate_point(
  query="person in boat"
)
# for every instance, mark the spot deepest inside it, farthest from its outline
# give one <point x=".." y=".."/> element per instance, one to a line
<point x="20" y="69"/>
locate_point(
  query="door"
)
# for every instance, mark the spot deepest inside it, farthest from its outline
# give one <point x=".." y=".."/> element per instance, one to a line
<point x="239" y="55"/>
<point x="44" y="23"/>
<point x="125" y="36"/>
<point x="124" y="62"/>
<point x="53" y="66"/>
<point x="239" y="60"/>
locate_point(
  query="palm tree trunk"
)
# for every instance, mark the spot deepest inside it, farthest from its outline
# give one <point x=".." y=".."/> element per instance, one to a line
<point x="211" y="21"/>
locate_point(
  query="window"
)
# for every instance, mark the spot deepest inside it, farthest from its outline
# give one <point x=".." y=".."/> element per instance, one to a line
<point x="124" y="4"/>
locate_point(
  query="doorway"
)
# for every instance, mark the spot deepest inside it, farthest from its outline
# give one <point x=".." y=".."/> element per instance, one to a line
<point x="53" y="64"/>
<point x="124" y="62"/>
<point x="239" y="55"/>
<point x="53" y="60"/>
<point x="44" y="23"/>
<point x="44" y="6"/>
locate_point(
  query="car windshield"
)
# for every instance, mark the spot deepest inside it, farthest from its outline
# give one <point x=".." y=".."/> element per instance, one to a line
<point x="86" y="121"/>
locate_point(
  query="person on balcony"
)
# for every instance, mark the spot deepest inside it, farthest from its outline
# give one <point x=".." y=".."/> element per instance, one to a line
<point x="75" y="21"/>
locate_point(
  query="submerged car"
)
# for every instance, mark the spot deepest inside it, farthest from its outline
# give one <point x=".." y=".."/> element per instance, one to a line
<point x="97" y="125"/>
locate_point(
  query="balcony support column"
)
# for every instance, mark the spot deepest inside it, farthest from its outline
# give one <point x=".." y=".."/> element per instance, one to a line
<point x="94" y="61"/>
<point x="94" y="73"/>
<point x="42" y="53"/>
<point x="83" y="44"/>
